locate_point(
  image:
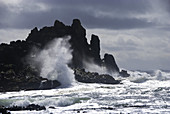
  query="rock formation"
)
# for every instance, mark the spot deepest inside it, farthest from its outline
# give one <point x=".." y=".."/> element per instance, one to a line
<point x="110" y="63"/>
<point x="82" y="51"/>
<point x="93" y="77"/>
<point x="95" y="49"/>
<point x="14" y="57"/>
<point x="6" y="110"/>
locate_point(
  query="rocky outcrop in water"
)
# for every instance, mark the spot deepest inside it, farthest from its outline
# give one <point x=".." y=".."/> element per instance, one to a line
<point x="124" y="73"/>
<point x="6" y="110"/>
<point x="18" y="72"/>
<point x="110" y="63"/>
<point x="95" y="49"/>
<point x="26" y="79"/>
<point x="82" y="51"/>
<point x="93" y="77"/>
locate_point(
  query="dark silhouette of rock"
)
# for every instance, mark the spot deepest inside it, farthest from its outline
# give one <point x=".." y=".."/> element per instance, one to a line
<point x="82" y="51"/>
<point x="110" y="63"/>
<point x="124" y="73"/>
<point x="15" y="57"/>
<point x="59" y="25"/>
<point x="3" y="110"/>
<point x="26" y="79"/>
<point x="78" y="30"/>
<point x="95" y="49"/>
<point x="93" y="77"/>
<point x="6" y="110"/>
<point x="78" y="44"/>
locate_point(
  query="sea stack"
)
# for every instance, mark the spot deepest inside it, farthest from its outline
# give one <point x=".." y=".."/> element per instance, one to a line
<point x="17" y="72"/>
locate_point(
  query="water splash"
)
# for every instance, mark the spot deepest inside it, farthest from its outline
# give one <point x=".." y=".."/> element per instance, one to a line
<point x="92" y="67"/>
<point x="54" y="61"/>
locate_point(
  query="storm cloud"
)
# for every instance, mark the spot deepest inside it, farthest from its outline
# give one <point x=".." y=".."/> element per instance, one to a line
<point x="111" y="14"/>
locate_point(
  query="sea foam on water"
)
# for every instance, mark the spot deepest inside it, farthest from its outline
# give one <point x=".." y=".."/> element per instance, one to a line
<point x="132" y="96"/>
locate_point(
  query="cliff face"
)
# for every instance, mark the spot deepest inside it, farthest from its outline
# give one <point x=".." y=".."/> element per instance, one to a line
<point x="14" y="56"/>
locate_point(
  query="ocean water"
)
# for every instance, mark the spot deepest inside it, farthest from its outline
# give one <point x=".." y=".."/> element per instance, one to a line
<point x="142" y="92"/>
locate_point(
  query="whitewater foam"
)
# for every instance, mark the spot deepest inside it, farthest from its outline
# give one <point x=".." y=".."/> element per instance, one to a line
<point x="92" y="67"/>
<point x="160" y="75"/>
<point x="140" y="77"/>
<point x="54" y="61"/>
<point x="151" y="96"/>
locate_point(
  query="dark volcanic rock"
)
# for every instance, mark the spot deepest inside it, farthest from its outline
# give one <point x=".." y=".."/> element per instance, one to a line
<point x="95" y="49"/>
<point x="92" y="77"/>
<point x="124" y="73"/>
<point x="81" y="50"/>
<point x="5" y="110"/>
<point x="18" y="73"/>
<point x="26" y="79"/>
<point x="79" y="44"/>
<point x="110" y="63"/>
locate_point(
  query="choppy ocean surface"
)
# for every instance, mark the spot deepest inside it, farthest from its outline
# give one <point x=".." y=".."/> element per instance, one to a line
<point x="142" y="92"/>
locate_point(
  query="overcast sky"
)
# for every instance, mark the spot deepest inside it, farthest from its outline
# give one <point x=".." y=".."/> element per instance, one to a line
<point x="136" y="32"/>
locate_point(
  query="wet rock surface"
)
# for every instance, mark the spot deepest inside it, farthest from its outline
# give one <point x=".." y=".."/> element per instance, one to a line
<point x="124" y="73"/>
<point x="6" y="110"/>
<point x="26" y="79"/>
<point x="110" y="63"/>
<point x="93" y="77"/>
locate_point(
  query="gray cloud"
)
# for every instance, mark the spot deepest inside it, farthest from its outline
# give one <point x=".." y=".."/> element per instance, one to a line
<point x="113" y="14"/>
<point x="166" y="3"/>
<point x="122" y="45"/>
<point x="116" y="23"/>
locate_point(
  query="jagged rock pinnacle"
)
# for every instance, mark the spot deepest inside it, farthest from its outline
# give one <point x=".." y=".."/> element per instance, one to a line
<point x="76" y="23"/>
<point x="110" y="63"/>
<point x="95" y="48"/>
<point x="58" y="24"/>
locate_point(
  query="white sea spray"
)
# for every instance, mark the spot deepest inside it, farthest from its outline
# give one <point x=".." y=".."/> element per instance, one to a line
<point x="55" y="61"/>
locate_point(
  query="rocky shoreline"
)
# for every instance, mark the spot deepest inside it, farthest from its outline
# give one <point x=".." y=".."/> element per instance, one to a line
<point x="19" y="72"/>
<point x="93" y="77"/>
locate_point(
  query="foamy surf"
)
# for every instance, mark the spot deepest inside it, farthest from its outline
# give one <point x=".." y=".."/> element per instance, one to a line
<point x="148" y="96"/>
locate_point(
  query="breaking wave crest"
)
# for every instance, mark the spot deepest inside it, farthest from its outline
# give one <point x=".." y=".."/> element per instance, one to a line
<point x="143" y="76"/>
